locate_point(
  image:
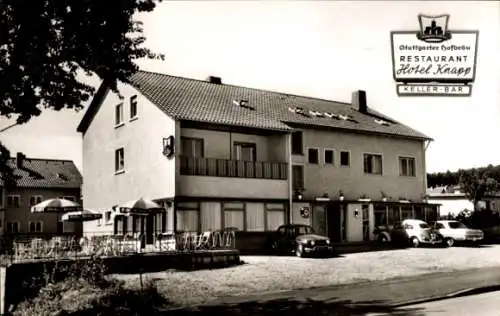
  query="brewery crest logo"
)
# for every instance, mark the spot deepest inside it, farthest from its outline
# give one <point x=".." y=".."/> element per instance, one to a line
<point x="434" y="61"/>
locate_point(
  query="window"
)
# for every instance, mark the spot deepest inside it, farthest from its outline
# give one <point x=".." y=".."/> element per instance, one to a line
<point x="35" y="227"/>
<point x="234" y="215"/>
<point x="187" y="217"/>
<point x="13" y="201"/>
<point x="133" y="106"/>
<point x="119" y="114"/>
<point x="345" y="159"/>
<point x="298" y="177"/>
<point x="439" y="226"/>
<point x="406" y="167"/>
<point x="192" y="147"/>
<point x="69" y="198"/>
<point x="275" y="216"/>
<point x="313" y="155"/>
<point x="245" y="151"/>
<point x="297" y="143"/>
<point x="12" y="227"/>
<point x="329" y="154"/>
<point x="372" y="163"/>
<point x="35" y="199"/>
<point x="119" y="160"/>
<point x="107" y="217"/>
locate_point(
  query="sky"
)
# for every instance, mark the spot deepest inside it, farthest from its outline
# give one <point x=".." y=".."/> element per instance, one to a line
<point x="324" y="49"/>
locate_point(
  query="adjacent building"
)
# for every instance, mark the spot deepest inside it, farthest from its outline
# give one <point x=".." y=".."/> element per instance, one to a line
<point x="218" y="156"/>
<point x="38" y="180"/>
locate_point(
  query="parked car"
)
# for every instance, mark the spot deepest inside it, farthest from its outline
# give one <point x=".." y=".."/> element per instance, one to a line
<point x="414" y="232"/>
<point x="300" y="239"/>
<point x="455" y="231"/>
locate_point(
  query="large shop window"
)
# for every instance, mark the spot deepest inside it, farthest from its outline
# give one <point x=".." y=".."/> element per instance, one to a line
<point x="393" y="215"/>
<point x="406" y="212"/>
<point x="187" y="217"/>
<point x="255" y="217"/>
<point x="234" y="215"/>
<point x="420" y="213"/>
<point x="275" y="216"/>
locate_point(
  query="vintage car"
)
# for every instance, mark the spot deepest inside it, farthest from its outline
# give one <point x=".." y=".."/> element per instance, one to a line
<point x="414" y="232"/>
<point x="455" y="231"/>
<point x="300" y="239"/>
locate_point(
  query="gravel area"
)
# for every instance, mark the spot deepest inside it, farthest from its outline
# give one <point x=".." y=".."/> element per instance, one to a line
<point x="262" y="274"/>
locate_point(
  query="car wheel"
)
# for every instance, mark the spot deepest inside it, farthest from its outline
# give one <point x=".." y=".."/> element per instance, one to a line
<point x="299" y="251"/>
<point x="414" y="242"/>
<point x="382" y="239"/>
<point x="449" y="242"/>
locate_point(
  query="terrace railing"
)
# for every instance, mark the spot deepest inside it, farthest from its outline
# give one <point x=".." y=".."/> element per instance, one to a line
<point x="214" y="167"/>
<point x="95" y="244"/>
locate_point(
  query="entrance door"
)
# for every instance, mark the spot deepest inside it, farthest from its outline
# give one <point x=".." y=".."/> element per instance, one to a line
<point x="366" y="222"/>
<point x="334" y="222"/>
<point x="319" y="220"/>
<point x="149" y="229"/>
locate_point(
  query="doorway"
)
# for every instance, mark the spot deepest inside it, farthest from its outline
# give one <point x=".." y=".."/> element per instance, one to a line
<point x="334" y="222"/>
<point x="319" y="220"/>
<point x="366" y="222"/>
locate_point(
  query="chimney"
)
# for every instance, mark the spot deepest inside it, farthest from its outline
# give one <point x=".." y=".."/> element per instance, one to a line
<point x="214" y="80"/>
<point x="359" y="101"/>
<point x="20" y="160"/>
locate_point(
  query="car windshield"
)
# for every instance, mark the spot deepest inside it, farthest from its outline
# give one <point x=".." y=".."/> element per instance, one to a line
<point x="423" y="225"/>
<point x="305" y="230"/>
<point x="455" y="225"/>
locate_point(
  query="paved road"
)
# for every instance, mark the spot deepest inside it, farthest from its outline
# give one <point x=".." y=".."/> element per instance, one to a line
<point x="475" y="305"/>
<point x="392" y="292"/>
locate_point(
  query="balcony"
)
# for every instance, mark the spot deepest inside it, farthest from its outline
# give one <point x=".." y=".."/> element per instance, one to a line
<point x="214" y="167"/>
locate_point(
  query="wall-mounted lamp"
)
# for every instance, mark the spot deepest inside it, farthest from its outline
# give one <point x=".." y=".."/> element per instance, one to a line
<point x="341" y="195"/>
<point x="168" y="146"/>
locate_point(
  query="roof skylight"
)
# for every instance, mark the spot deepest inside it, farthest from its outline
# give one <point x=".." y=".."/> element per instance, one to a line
<point x="62" y="176"/>
<point x="243" y="103"/>
<point x="317" y="113"/>
<point x="381" y="122"/>
<point x="331" y="115"/>
<point x="298" y="110"/>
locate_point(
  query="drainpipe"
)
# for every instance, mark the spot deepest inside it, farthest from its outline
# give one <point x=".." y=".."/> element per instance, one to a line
<point x="425" y="145"/>
<point x="290" y="184"/>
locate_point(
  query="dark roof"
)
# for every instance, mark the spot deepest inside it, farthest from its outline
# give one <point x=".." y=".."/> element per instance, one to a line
<point x="201" y="101"/>
<point x="47" y="173"/>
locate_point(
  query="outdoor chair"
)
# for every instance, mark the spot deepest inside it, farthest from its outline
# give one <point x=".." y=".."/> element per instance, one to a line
<point x="202" y="241"/>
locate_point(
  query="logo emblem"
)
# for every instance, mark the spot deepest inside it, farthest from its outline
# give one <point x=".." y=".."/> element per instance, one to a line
<point x="304" y="212"/>
<point x="434" y="61"/>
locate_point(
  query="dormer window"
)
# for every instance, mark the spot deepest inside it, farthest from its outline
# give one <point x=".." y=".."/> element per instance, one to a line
<point x="344" y="117"/>
<point x="243" y="103"/>
<point x="381" y="122"/>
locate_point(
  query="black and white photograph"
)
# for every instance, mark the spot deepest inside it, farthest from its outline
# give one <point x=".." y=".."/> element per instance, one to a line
<point x="163" y="157"/>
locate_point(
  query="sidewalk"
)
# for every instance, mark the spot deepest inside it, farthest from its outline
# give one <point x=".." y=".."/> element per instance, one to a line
<point x="392" y="292"/>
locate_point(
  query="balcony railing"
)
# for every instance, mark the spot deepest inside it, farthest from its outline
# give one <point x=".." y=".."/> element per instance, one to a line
<point x="214" y="167"/>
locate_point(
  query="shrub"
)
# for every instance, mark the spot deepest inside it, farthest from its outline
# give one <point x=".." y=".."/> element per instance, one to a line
<point x="86" y="290"/>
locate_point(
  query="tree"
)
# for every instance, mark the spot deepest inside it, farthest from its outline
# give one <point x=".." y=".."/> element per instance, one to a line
<point x="45" y="44"/>
<point x="476" y="184"/>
